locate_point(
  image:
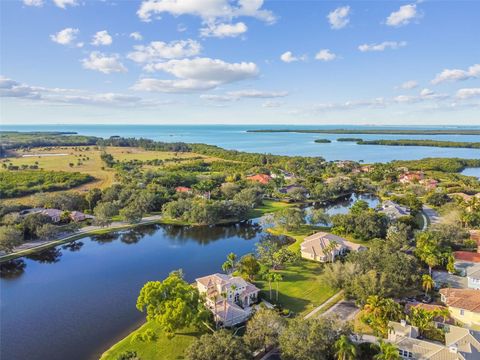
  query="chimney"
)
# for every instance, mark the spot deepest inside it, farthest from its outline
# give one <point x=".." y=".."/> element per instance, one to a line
<point x="403" y="323"/>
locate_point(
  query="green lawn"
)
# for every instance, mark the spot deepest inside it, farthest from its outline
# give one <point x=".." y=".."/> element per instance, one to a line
<point x="302" y="288"/>
<point x="161" y="348"/>
<point x="268" y="206"/>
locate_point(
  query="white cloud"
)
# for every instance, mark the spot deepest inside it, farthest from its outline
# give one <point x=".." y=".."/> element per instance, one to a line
<point x="159" y="50"/>
<point x="408" y="85"/>
<point x="217" y="98"/>
<point x="208" y="10"/>
<point x="338" y="18"/>
<point x="272" y="104"/>
<point x="223" y="30"/>
<point x="101" y="38"/>
<point x="106" y="64"/>
<point x="288" y="57"/>
<point x="242" y="94"/>
<point x="196" y="75"/>
<point x="136" y="36"/>
<point x="457" y="74"/>
<point x="402" y="16"/>
<point x="423" y="95"/>
<point x="325" y="55"/>
<point x="64" y="3"/>
<point x="382" y="46"/>
<point x="36" y="3"/>
<point x="468" y="93"/>
<point x="14" y="89"/>
<point x="65" y="36"/>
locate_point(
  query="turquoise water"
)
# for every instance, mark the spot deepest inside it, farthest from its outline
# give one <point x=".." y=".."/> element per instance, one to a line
<point x="236" y="137"/>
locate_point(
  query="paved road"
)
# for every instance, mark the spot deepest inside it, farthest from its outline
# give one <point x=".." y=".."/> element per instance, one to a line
<point x="432" y="215"/>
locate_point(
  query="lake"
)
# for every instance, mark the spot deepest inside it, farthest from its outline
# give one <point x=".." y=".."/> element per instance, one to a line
<point x="472" y="172"/>
<point x="236" y="137"/>
<point x="74" y="302"/>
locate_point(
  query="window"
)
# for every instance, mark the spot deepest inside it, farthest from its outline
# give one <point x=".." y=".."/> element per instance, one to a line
<point x="462" y="312"/>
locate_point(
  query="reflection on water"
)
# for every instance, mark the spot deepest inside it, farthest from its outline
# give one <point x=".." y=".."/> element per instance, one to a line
<point x="72" y="301"/>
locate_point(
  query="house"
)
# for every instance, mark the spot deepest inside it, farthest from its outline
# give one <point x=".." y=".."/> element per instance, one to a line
<point x="463" y="304"/>
<point x="473" y="277"/>
<point x="183" y="189"/>
<point x="229" y="298"/>
<point x="467" y="263"/>
<point x="410" y="177"/>
<point x="54" y="214"/>
<point x="282" y="174"/>
<point x="324" y="246"/>
<point x="260" y="178"/>
<point x="78" y="216"/>
<point x="393" y="210"/>
<point x="460" y="343"/>
<point x="366" y="168"/>
<point x="429" y="184"/>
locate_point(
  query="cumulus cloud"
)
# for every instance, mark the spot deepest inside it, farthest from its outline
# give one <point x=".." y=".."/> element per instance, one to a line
<point x="14" y="89"/>
<point x="325" y="55"/>
<point x="457" y="74"/>
<point x="382" y="46"/>
<point x="136" y="36"/>
<point x="101" y="38"/>
<point x="196" y="75"/>
<point x="36" y="3"/>
<point x="64" y="3"/>
<point x="408" y="85"/>
<point x="468" y="93"/>
<point x="211" y="10"/>
<point x="288" y="57"/>
<point x="223" y="30"/>
<point x="159" y="50"/>
<point x="423" y="95"/>
<point x="402" y="16"/>
<point x="242" y="94"/>
<point x="65" y="36"/>
<point x="106" y="64"/>
<point x="338" y="18"/>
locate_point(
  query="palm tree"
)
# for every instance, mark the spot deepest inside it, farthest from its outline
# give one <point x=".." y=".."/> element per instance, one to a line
<point x="229" y="265"/>
<point x="345" y="348"/>
<point x="427" y="283"/>
<point x="387" y="351"/>
<point x="373" y="305"/>
<point x="330" y="249"/>
<point x="431" y="260"/>
<point x="277" y="278"/>
<point x="269" y="276"/>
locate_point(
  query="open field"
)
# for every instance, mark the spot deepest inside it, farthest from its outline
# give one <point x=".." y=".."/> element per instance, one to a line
<point x="86" y="160"/>
<point x="160" y="348"/>
<point x="302" y="288"/>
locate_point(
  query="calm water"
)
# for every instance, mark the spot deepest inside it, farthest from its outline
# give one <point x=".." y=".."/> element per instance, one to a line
<point x="236" y="137"/>
<point x="72" y="303"/>
<point x="472" y="172"/>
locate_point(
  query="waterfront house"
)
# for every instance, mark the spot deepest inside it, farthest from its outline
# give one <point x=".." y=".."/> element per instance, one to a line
<point x="260" y="178"/>
<point x="78" y="216"/>
<point x="183" y="189"/>
<point x="291" y="189"/>
<point x="463" y="304"/>
<point x="282" y="174"/>
<point x="229" y="298"/>
<point x="460" y="343"/>
<point x="325" y="247"/>
<point x="411" y="177"/>
<point x="393" y="210"/>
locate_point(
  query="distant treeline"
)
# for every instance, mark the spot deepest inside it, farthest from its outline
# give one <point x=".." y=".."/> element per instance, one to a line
<point x="376" y="131"/>
<point x="349" y="139"/>
<point x="438" y="164"/>
<point x="23" y="140"/>
<point x="20" y="183"/>
<point x="434" y="143"/>
<point x="323" y="141"/>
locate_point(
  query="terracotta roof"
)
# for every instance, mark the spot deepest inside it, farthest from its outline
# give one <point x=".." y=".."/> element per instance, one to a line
<point x="182" y="189"/>
<point x="467" y="299"/>
<point x="261" y="178"/>
<point x="467" y="256"/>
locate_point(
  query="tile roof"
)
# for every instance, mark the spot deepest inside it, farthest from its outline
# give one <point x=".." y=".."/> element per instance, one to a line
<point x="317" y="242"/>
<point x="261" y="178"/>
<point x="467" y="256"/>
<point x="467" y="299"/>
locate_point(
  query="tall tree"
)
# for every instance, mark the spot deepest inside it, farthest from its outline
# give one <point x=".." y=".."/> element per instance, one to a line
<point x="387" y="351"/>
<point x="264" y="329"/>
<point x="10" y="237"/>
<point x="427" y="283"/>
<point x="229" y="265"/>
<point x="221" y="345"/>
<point x="345" y="348"/>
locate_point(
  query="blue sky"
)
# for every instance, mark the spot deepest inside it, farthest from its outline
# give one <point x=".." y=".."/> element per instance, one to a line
<point x="240" y="61"/>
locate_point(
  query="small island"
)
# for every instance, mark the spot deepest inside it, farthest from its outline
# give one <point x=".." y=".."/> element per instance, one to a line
<point x="323" y="141"/>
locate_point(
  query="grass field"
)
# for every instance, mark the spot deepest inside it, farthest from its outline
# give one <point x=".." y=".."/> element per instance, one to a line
<point x="160" y="348"/>
<point x="268" y="206"/>
<point x="64" y="156"/>
<point x="302" y="288"/>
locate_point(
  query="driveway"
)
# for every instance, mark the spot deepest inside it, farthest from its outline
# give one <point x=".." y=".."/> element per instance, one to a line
<point x="343" y="310"/>
<point x="431" y="214"/>
<point x="457" y="282"/>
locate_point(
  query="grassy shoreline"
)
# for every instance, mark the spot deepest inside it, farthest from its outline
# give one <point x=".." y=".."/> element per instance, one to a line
<point x="269" y="206"/>
<point x="378" y="131"/>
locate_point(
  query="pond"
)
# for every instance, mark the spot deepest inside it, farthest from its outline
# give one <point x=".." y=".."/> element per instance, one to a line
<point x="472" y="172"/>
<point x="71" y="302"/>
<point x="74" y="301"/>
